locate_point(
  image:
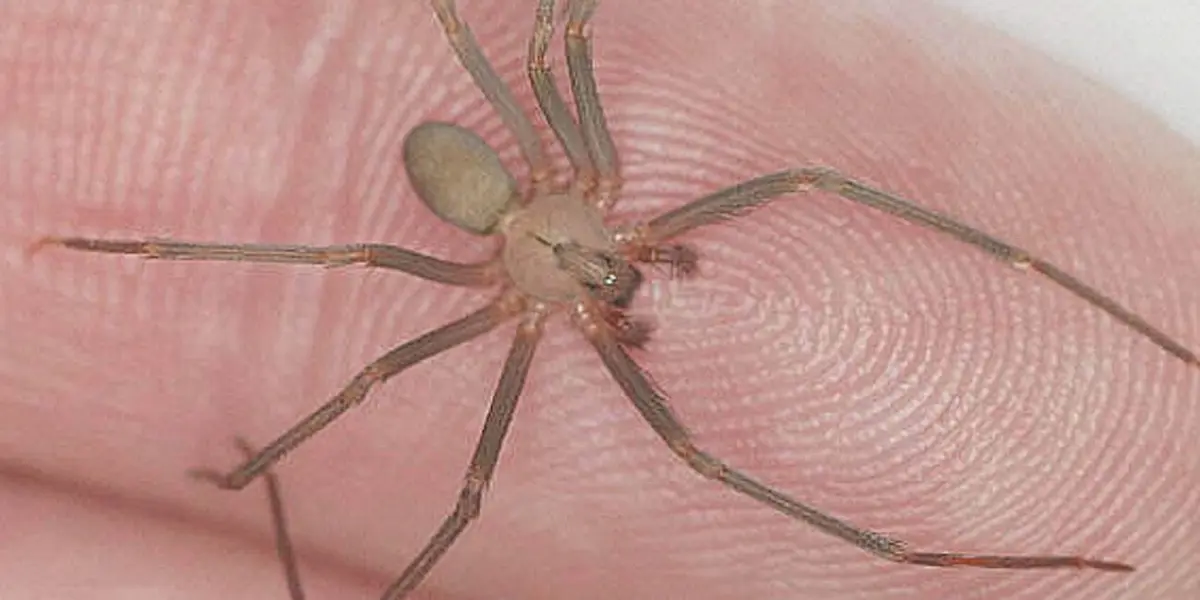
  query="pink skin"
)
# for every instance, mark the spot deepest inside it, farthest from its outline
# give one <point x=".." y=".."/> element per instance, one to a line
<point x="881" y="372"/>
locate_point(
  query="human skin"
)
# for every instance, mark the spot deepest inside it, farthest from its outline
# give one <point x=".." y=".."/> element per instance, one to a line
<point x="881" y="372"/>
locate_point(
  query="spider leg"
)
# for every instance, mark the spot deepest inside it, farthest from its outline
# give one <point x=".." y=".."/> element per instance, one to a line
<point x="371" y="255"/>
<point x="550" y="100"/>
<point x="652" y="405"/>
<point x="483" y="462"/>
<point x="283" y="540"/>
<point x="472" y="59"/>
<point x="383" y="368"/>
<point x="587" y="103"/>
<point x="745" y="196"/>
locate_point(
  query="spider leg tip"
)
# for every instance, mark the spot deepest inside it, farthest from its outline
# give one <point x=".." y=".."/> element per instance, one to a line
<point x="47" y="240"/>
<point x="243" y="444"/>
<point x="211" y="476"/>
<point x="1105" y="565"/>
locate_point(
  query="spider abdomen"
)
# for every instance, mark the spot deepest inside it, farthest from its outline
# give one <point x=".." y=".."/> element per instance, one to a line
<point x="458" y="176"/>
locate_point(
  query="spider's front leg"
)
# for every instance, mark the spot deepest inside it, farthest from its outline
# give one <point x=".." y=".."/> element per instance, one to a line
<point x="654" y="409"/>
<point x="746" y="196"/>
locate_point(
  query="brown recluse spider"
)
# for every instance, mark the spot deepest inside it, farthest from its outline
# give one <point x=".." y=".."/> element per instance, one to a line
<point x="559" y="255"/>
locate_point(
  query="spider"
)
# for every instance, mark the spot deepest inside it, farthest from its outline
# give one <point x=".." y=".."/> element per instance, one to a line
<point x="560" y="255"/>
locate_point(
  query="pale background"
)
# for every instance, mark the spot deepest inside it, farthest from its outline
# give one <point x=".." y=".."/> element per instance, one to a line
<point x="1148" y="50"/>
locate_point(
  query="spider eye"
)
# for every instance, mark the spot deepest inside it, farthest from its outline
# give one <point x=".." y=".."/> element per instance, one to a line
<point x="607" y="276"/>
<point x="621" y="280"/>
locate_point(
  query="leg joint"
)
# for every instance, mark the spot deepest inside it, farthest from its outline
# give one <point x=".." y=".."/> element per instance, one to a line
<point x="470" y="499"/>
<point x="698" y="460"/>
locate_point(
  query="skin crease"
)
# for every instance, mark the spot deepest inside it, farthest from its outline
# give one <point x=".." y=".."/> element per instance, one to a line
<point x="878" y="371"/>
